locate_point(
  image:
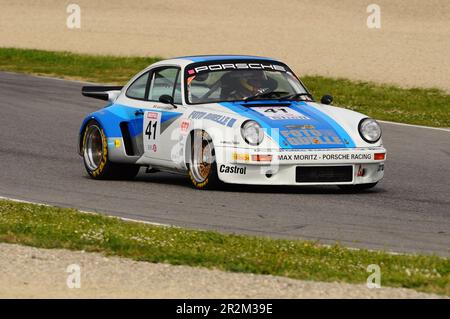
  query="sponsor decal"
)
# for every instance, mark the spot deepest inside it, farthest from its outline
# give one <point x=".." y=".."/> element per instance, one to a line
<point x="117" y="143"/>
<point x="337" y="157"/>
<point x="229" y="169"/>
<point x="261" y="158"/>
<point x="300" y="127"/>
<point x="184" y="126"/>
<point x="298" y="157"/>
<point x="280" y="113"/>
<point x="221" y="119"/>
<point x="236" y="66"/>
<point x="240" y="157"/>
<point x="152" y="115"/>
<point x="325" y="157"/>
<point x="308" y="137"/>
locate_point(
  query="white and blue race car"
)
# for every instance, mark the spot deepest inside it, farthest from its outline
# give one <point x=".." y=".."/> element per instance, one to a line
<point x="228" y="119"/>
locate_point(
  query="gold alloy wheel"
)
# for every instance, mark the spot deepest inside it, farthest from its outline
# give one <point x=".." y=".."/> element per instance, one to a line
<point x="93" y="149"/>
<point x="202" y="158"/>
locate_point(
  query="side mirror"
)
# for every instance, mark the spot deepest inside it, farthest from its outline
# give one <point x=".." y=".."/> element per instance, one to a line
<point x="166" y="99"/>
<point x="326" y="99"/>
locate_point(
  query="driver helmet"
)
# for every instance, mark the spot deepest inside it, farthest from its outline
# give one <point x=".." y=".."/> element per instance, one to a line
<point x="253" y="81"/>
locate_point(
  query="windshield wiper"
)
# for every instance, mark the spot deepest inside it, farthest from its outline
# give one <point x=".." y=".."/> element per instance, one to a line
<point x="262" y="95"/>
<point x="295" y="96"/>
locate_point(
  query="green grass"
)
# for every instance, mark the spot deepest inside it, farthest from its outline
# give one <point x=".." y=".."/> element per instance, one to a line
<point x="384" y="102"/>
<point x="93" y="68"/>
<point x="51" y="227"/>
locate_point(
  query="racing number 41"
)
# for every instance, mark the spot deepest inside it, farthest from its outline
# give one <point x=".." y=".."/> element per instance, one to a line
<point x="272" y="110"/>
<point x="150" y="127"/>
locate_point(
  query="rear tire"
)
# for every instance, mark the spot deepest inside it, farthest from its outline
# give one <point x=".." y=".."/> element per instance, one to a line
<point x="202" y="166"/>
<point x="95" y="156"/>
<point x="358" y="187"/>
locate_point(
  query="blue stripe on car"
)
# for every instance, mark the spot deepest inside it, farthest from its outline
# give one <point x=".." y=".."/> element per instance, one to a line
<point x="318" y="119"/>
<point x="349" y="143"/>
<point x="111" y="116"/>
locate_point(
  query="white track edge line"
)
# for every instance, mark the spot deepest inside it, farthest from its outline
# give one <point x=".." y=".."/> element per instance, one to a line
<point x="91" y="213"/>
<point x="51" y="77"/>
<point x="418" y="126"/>
<point x="389" y="252"/>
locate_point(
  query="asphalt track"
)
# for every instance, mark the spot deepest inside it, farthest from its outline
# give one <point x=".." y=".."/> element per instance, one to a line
<point x="409" y="211"/>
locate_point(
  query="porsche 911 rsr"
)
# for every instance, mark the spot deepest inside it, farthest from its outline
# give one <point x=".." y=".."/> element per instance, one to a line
<point x="228" y="119"/>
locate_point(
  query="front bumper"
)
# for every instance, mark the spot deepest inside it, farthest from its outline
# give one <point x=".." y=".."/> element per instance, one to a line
<point x="260" y="167"/>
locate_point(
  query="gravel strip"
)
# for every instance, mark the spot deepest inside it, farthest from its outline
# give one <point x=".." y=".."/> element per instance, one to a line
<point x="28" y="272"/>
<point x="324" y="37"/>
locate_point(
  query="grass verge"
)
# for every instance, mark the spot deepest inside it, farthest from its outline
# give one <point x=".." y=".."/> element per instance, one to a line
<point x="385" y="102"/>
<point x="92" y="68"/>
<point x="52" y="227"/>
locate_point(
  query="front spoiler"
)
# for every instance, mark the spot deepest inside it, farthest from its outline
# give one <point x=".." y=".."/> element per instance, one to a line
<point x="244" y="166"/>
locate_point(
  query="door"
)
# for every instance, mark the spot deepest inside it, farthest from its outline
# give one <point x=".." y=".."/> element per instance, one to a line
<point x="159" y="119"/>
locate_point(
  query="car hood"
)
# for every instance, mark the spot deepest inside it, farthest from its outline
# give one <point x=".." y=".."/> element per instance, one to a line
<point x="295" y="125"/>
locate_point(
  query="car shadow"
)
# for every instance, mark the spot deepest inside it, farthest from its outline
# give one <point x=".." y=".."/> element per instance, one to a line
<point x="183" y="181"/>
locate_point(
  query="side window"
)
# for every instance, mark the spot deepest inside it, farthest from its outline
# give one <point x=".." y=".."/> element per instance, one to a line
<point x="137" y="88"/>
<point x="177" y="93"/>
<point x="163" y="83"/>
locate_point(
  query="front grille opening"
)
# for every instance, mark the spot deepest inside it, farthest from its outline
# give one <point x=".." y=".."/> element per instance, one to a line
<point x="323" y="174"/>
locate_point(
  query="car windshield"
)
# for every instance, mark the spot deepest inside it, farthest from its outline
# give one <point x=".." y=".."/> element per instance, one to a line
<point x="213" y="83"/>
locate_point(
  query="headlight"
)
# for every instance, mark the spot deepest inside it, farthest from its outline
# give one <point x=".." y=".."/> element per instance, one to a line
<point x="252" y="132"/>
<point x="370" y="130"/>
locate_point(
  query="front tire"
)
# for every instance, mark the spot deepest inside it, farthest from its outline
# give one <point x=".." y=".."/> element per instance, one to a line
<point x="202" y="166"/>
<point x="358" y="187"/>
<point x="95" y="156"/>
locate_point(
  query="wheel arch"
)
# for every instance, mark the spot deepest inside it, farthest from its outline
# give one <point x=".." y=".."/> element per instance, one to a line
<point x="96" y="117"/>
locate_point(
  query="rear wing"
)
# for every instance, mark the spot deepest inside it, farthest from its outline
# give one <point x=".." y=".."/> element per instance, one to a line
<point x="106" y="93"/>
